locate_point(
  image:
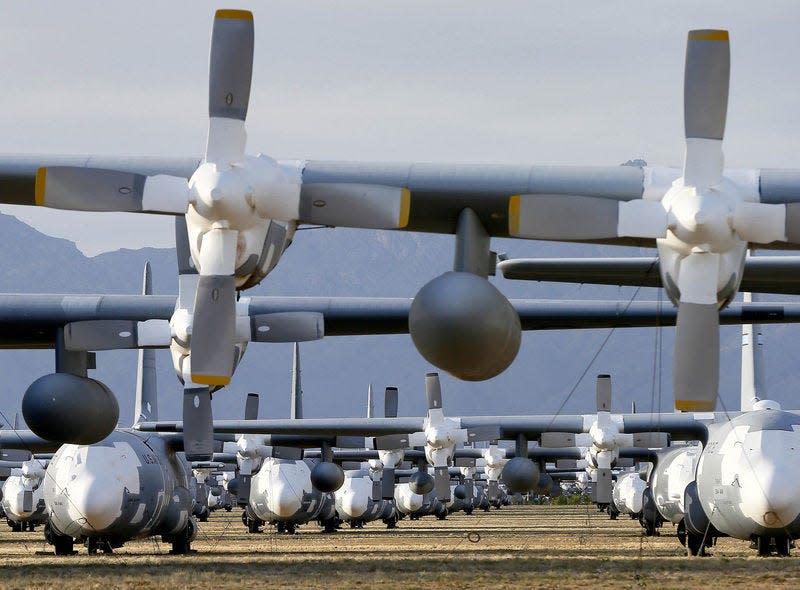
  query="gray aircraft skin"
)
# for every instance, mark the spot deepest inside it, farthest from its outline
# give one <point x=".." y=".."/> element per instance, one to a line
<point x="674" y="470"/>
<point x="282" y="494"/>
<point x="747" y="477"/>
<point x="458" y="321"/>
<point x="125" y="487"/>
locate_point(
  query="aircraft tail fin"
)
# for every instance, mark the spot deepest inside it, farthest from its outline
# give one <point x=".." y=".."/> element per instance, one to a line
<point x="297" y="388"/>
<point x="146" y="409"/>
<point x="752" y="387"/>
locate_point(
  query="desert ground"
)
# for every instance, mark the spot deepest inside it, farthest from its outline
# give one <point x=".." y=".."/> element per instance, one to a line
<point x="514" y="547"/>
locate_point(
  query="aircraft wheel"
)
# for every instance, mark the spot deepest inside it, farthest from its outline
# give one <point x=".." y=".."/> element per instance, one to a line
<point x="695" y="545"/>
<point x="681" y="532"/>
<point x="763" y="546"/>
<point x="783" y="546"/>
<point x="62" y="544"/>
<point x="181" y="543"/>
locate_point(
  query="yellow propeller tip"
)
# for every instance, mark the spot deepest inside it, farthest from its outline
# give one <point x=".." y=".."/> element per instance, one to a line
<point x="234" y="14"/>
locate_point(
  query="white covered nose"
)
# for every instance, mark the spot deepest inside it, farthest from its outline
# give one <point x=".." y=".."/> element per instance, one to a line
<point x="95" y="500"/>
<point x="284" y="501"/>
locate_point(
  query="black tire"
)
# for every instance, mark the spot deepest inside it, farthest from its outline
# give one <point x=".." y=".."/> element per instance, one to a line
<point x="695" y="545"/>
<point x="783" y="546"/>
<point x="764" y="546"/>
<point x="62" y="544"/>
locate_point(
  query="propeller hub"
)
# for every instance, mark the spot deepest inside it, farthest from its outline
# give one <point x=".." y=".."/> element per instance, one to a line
<point x="702" y="218"/>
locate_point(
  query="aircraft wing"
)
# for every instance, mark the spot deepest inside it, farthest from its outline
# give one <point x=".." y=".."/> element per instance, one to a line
<point x="31" y="320"/>
<point x="510" y="200"/>
<point x="26" y="440"/>
<point x="762" y="274"/>
<point x="684" y="426"/>
<point x="304" y="426"/>
<point x="681" y="426"/>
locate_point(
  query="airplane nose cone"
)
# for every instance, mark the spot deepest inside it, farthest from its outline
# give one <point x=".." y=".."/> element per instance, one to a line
<point x="769" y="497"/>
<point x="355" y="505"/>
<point x="96" y="504"/>
<point x="285" y="501"/>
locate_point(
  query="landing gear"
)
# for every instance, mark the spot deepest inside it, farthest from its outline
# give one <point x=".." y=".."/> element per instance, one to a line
<point x="94" y="544"/>
<point x="16" y="527"/>
<point x="780" y="546"/>
<point x="62" y="544"/>
<point x="288" y="528"/>
<point x="613" y="511"/>
<point x="391" y="522"/>
<point x="252" y="523"/>
<point x="330" y="525"/>
<point x="181" y="542"/>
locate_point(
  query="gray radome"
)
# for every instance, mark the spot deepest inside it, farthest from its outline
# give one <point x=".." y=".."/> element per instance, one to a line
<point x="68" y="409"/>
<point x="462" y="324"/>
<point x="520" y="475"/>
<point x="420" y="483"/>
<point x="327" y="477"/>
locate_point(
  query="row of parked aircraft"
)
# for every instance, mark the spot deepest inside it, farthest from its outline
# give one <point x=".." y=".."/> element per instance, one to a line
<point x="236" y="214"/>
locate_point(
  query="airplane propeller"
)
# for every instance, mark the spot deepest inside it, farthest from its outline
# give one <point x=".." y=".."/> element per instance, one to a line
<point x="603" y="441"/>
<point x="439" y="437"/>
<point x="702" y="224"/>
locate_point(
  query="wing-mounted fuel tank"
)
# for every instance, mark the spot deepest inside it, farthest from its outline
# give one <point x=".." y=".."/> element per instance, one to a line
<point x="459" y="321"/>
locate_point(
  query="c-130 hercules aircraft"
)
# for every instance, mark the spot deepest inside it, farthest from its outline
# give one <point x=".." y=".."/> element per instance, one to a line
<point x="242" y="212"/>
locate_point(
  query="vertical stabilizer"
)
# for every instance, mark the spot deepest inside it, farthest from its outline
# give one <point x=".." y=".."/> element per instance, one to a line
<point x="752" y="363"/>
<point x="370" y="403"/>
<point x="146" y="409"/>
<point x="297" y="389"/>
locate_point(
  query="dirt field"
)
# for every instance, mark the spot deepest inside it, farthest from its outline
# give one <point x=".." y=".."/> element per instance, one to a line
<point x="530" y="546"/>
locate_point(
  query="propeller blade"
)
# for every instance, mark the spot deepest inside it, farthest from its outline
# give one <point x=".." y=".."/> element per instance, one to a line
<point x="433" y="391"/>
<point x="96" y="189"/>
<point x="213" y="329"/>
<point x="116" y="335"/>
<point x="760" y="223"/>
<point x="575" y="217"/>
<point x="557" y="440"/>
<point x="603" y="487"/>
<point x="479" y="433"/>
<point x="603" y="388"/>
<point x="287" y="326"/>
<point x="441" y="482"/>
<point x="387" y="483"/>
<point x="390" y="399"/>
<point x="705" y="105"/>
<point x="696" y="357"/>
<point x="366" y="206"/>
<point x="651" y="440"/>
<point x="198" y="429"/>
<point x="214" y="311"/>
<point x="230" y="74"/>
<point x="390" y="442"/>
<point x="251" y="407"/>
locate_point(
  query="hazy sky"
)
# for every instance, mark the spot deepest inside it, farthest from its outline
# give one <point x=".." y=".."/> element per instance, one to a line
<point x="526" y="82"/>
<point x="505" y="82"/>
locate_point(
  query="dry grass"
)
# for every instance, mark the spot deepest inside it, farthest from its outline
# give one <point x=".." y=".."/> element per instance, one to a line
<point x="532" y="546"/>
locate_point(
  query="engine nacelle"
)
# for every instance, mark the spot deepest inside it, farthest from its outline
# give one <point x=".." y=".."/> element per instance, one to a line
<point x="462" y="324"/>
<point x="65" y="408"/>
<point x="520" y="475"/>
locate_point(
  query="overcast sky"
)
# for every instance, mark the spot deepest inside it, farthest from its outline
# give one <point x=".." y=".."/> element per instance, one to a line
<point x="525" y="82"/>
